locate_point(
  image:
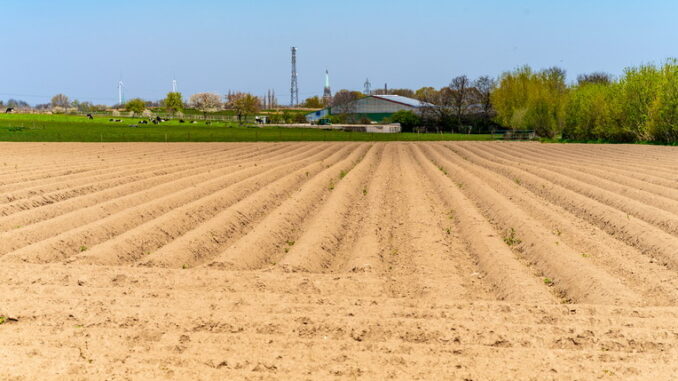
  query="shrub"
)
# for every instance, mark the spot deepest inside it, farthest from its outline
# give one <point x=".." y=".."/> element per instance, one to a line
<point x="408" y="120"/>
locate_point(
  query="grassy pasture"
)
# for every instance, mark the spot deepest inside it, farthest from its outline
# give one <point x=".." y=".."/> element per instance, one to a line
<point x="69" y="128"/>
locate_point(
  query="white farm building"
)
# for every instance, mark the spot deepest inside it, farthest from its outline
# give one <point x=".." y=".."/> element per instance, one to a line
<point x="373" y="107"/>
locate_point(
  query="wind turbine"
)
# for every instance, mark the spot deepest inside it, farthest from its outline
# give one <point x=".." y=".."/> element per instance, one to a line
<point x="121" y="97"/>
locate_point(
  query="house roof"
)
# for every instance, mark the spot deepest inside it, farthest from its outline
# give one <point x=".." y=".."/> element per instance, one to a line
<point x="410" y="102"/>
<point x="402" y="100"/>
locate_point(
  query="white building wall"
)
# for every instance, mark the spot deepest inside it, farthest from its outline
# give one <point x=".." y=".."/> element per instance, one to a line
<point x="371" y="105"/>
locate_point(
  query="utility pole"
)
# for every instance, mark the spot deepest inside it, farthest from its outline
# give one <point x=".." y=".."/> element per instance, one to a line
<point x="294" y="89"/>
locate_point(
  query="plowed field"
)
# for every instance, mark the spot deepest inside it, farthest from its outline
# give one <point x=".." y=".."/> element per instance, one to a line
<point x="458" y="260"/>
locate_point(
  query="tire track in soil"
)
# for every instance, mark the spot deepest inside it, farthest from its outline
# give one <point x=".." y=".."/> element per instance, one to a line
<point x="558" y="265"/>
<point x="269" y="240"/>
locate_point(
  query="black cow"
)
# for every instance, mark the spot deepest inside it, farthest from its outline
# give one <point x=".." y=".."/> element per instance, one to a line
<point x="89" y="116"/>
<point x="9" y="109"/>
<point x="181" y="121"/>
<point x="110" y="120"/>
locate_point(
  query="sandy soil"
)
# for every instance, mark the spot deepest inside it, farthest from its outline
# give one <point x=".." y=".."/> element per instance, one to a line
<point x="460" y="260"/>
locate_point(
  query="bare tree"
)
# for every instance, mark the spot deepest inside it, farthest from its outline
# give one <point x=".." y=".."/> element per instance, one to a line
<point x="344" y="103"/>
<point x="597" y="78"/>
<point x="484" y="87"/>
<point x="460" y="95"/>
<point x="206" y="102"/>
<point x="60" y="100"/>
<point x="436" y="107"/>
<point x="402" y="92"/>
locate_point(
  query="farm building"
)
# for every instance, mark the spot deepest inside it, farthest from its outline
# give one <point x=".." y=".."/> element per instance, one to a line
<point x="373" y="107"/>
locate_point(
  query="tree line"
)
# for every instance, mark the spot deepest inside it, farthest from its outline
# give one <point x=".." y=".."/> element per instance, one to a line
<point x="639" y="106"/>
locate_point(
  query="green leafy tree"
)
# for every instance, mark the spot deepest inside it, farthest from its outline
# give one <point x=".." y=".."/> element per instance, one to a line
<point x="408" y="120"/>
<point x="663" y="119"/>
<point x="639" y="90"/>
<point x="244" y="105"/>
<point x="136" y="106"/>
<point x="528" y="100"/>
<point x="313" y="102"/>
<point x="174" y="102"/>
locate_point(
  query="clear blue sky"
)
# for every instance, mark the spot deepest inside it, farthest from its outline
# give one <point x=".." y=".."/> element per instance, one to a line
<point x="82" y="48"/>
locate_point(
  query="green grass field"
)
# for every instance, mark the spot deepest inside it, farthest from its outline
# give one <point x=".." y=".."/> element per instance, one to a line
<point x="67" y="128"/>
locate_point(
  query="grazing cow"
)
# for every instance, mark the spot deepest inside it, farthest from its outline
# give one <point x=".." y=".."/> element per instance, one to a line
<point x="89" y="116"/>
<point x="9" y="110"/>
<point x="181" y="121"/>
<point x="193" y="122"/>
<point x="110" y="120"/>
<point x="155" y="121"/>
